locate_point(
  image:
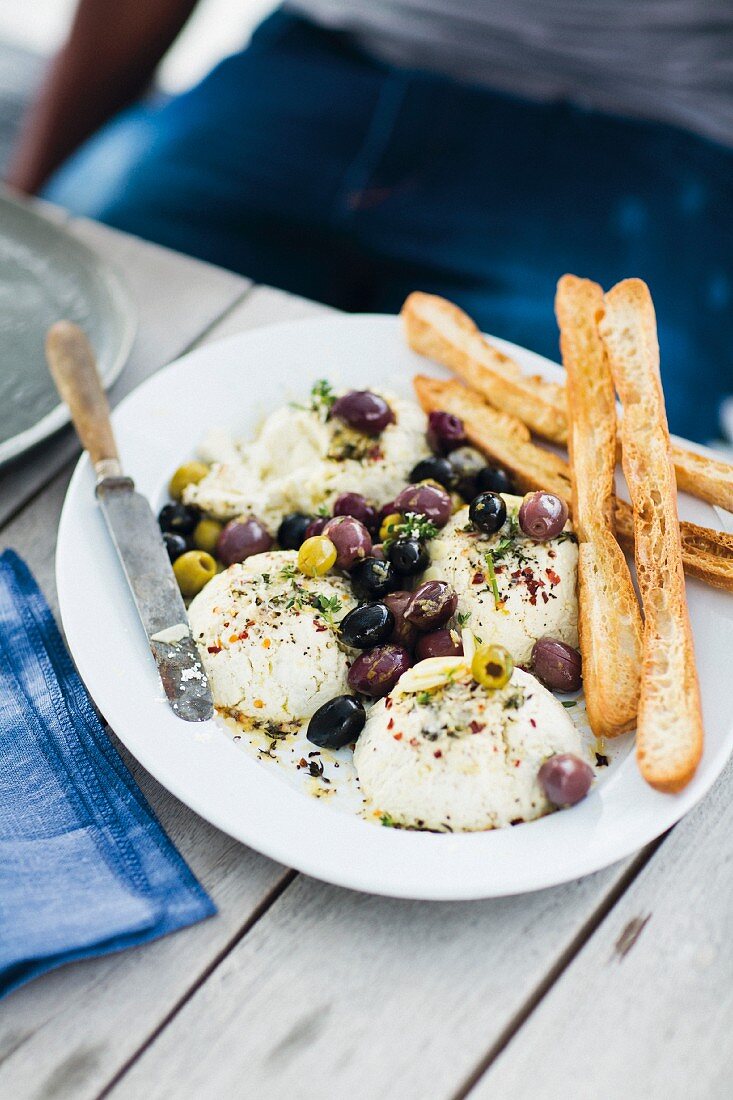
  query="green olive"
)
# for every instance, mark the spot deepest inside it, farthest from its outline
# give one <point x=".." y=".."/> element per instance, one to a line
<point x="492" y="666"/>
<point x="206" y="534"/>
<point x="316" y="556"/>
<point x="193" y="570"/>
<point x="188" y="474"/>
<point x="388" y="525"/>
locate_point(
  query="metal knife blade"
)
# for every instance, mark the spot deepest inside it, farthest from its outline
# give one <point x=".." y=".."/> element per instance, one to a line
<point x="136" y="537"/>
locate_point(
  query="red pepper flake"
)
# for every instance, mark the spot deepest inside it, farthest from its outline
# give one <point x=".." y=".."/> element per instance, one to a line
<point x="414" y="742"/>
<point x="397" y="736"/>
<point x="320" y="627"/>
<point x="533" y="723"/>
<point x="388" y="703"/>
<point x="374" y="454"/>
<point x="213" y="649"/>
<point x="476" y="727"/>
<point x="478" y="578"/>
<point x="554" y="578"/>
<point x="226" y="624"/>
<point x="517" y="763"/>
<point x="243" y="635"/>
<point x="390" y="724"/>
<point x="437" y="754"/>
<point x="551" y="554"/>
<point x="545" y="597"/>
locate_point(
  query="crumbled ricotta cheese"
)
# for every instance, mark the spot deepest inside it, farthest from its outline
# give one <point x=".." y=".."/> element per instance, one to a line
<point x="301" y="460"/>
<point x="461" y="758"/>
<point x="268" y="641"/>
<point x="511" y="589"/>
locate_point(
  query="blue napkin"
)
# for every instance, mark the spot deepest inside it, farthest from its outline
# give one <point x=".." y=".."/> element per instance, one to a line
<point x="85" y="868"/>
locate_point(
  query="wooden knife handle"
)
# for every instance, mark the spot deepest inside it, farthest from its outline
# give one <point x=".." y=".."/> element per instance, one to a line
<point x="71" y="362"/>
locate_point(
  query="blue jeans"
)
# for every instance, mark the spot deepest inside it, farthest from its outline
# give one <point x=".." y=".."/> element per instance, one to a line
<point x="303" y="163"/>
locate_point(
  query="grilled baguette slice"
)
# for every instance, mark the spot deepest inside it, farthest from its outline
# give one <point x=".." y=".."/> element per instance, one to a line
<point x="609" y="620"/>
<point x="669" y="729"/>
<point x="707" y="554"/>
<point x="441" y="331"/>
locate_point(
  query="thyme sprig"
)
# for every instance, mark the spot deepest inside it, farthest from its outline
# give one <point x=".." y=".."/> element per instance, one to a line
<point x="411" y="526"/>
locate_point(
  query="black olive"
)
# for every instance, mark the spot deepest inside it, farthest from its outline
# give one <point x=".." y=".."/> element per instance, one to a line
<point x="488" y="512"/>
<point x="291" y="532"/>
<point x="337" y="723"/>
<point x="374" y="578"/>
<point x="434" y="468"/>
<point x="179" y="518"/>
<point x="495" y="479"/>
<point x="408" y="556"/>
<point x="367" y="626"/>
<point x="175" y="544"/>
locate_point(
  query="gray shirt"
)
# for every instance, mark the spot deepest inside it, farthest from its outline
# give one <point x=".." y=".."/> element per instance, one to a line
<point x="669" y="60"/>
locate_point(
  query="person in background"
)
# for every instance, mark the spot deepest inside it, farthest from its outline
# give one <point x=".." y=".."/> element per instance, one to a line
<point x="478" y="149"/>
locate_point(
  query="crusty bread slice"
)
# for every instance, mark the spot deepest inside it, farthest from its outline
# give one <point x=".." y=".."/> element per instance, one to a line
<point x="669" y="729"/>
<point x="531" y="465"/>
<point x="609" y="620"/>
<point x="707" y="554"/>
<point x="443" y="332"/>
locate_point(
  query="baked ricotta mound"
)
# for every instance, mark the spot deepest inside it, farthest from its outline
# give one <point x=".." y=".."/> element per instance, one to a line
<point x="301" y="459"/>
<point x="268" y="642"/>
<point x="461" y="758"/>
<point x="511" y="589"/>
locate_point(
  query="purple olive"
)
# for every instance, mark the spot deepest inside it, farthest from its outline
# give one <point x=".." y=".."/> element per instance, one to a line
<point x="565" y="779"/>
<point x="351" y="539"/>
<point x="439" y="643"/>
<point x="557" y="665"/>
<point x="445" y="432"/>
<point x="425" y="500"/>
<point x="431" y="605"/>
<point x="241" y="538"/>
<point x="377" y="671"/>
<point x="315" y="527"/>
<point x="542" y="516"/>
<point x="354" y="504"/>
<point x="364" y="411"/>
<point x="404" y="633"/>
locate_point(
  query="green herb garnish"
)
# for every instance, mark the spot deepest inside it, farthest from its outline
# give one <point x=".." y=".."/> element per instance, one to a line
<point x="327" y="605"/>
<point x="462" y="618"/>
<point x="288" y="571"/>
<point x="388" y="821"/>
<point x="489" y="558"/>
<point x="412" y="526"/>
<point x="569" y="703"/>
<point x="423" y="697"/>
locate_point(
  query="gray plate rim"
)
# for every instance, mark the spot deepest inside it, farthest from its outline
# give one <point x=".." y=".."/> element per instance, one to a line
<point x="120" y="303"/>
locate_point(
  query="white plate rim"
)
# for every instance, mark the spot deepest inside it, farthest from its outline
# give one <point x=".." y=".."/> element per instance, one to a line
<point x="400" y="848"/>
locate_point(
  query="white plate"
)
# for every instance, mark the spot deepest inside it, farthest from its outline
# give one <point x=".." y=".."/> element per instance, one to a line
<point x="46" y="274"/>
<point x="232" y="384"/>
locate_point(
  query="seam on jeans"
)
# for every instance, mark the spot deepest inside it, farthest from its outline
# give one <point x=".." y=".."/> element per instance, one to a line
<point x="379" y="132"/>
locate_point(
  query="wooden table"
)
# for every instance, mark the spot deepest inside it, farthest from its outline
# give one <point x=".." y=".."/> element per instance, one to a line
<point x="620" y="985"/>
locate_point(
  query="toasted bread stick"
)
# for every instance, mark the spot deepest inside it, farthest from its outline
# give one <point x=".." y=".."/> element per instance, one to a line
<point x="441" y="331"/>
<point x="669" y="729"/>
<point x="707" y="554"/>
<point x="609" y="621"/>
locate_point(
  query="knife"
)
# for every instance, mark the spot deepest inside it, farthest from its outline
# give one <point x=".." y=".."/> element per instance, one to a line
<point x="132" y="526"/>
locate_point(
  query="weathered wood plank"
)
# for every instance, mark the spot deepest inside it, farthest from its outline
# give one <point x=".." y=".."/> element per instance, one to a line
<point x="646" y="1008"/>
<point x="265" y="305"/>
<point x="177" y="298"/>
<point x="339" y="994"/>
